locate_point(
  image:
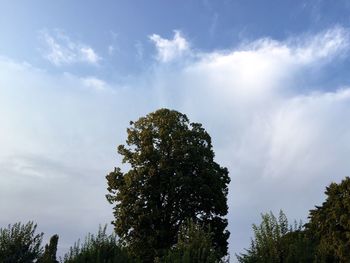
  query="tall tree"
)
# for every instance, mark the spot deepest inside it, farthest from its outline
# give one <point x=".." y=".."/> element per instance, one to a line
<point x="172" y="177"/>
<point x="330" y="223"/>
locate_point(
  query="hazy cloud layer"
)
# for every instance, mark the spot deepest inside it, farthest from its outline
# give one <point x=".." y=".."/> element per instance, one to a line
<point x="282" y="144"/>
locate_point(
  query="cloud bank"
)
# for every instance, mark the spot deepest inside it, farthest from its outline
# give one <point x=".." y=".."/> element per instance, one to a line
<point x="282" y="143"/>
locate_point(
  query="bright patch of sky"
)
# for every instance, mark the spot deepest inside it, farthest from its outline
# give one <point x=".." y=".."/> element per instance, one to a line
<point x="268" y="80"/>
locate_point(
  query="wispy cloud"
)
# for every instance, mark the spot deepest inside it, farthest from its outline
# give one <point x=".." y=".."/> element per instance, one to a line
<point x="89" y="55"/>
<point x="60" y="49"/>
<point x="169" y="49"/>
<point x="324" y="45"/>
<point x="95" y="83"/>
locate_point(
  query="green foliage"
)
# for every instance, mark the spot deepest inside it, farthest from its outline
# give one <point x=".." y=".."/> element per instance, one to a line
<point x="194" y="246"/>
<point x="330" y="223"/>
<point x="19" y="243"/>
<point x="49" y="255"/>
<point x="276" y="242"/>
<point x="266" y="246"/>
<point x="102" y="248"/>
<point x="299" y="246"/>
<point x="172" y="177"/>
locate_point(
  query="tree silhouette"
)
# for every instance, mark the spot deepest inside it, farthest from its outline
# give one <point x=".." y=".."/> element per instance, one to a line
<point x="172" y="177"/>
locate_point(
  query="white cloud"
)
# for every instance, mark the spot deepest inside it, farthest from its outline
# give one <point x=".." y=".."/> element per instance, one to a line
<point x="58" y="54"/>
<point x="61" y="50"/>
<point x="96" y="83"/>
<point x="89" y="55"/>
<point x="167" y="49"/>
<point x="282" y="144"/>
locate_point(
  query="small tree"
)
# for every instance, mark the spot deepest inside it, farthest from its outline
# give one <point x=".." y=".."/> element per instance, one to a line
<point x="172" y="177"/>
<point x="19" y="243"/>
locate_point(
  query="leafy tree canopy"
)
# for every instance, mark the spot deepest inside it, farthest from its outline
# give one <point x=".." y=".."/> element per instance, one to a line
<point x="330" y="223"/>
<point x="172" y="177"/>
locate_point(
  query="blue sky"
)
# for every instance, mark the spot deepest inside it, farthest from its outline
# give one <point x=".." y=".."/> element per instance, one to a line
<point x="126" y="26"/>
<point x="268" y="79"/>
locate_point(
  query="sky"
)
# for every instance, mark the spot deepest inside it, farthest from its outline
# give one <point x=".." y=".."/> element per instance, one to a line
<point x="269" y="81"/>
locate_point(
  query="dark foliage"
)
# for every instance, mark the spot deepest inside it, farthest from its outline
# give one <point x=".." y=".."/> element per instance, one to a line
<point x="330" y="223"/>
<point x="19" y="243"/>
<point x="277" y="242"/>
<point x="49" y="255"/>
<point x="194" y="245"/>
<point x="324" y="239"/>
<point x="172" y="177"/>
